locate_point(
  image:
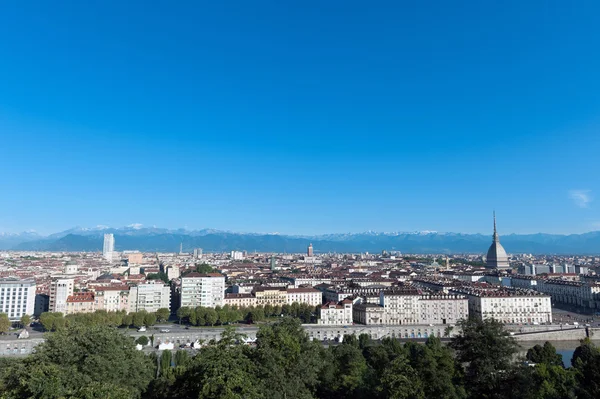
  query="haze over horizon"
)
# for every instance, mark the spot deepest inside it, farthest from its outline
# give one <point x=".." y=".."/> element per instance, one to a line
<point x="284" y="118"/>
<point x="141" y="227"/>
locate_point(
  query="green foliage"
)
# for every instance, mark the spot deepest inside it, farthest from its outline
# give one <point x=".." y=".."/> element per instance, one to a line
<point x="434" y="363"/>
<point x="166" y="358"/>
<point x="127" y="320"/>
<point x="210" y="317"/>
<point x="143" y="340"/>
<point x="544" y="382"/>
<point x="149" y="319"/>
<point x="163" y="314"/>
<point x="25" y="320"/>
<point x="545" y="354"/>
<point x="350" y="371"/>
<point x="400" y="381"/>
<point x="204" y="268"/>
<point x="182" y="359"/>
<point x="95" y="361"/>
<point x="288" y="361"/>
<point x="4" y="323"/>
<point x="364" y="340"/>
<point x="158" y="276"/>
<point x="487" y="350"/>
<point x="219" y="373"/>
<point x="586" y="363"/>
<point x="81" y="362"/>
<point x="183" y="313"/>
<point x="139" y="318"/>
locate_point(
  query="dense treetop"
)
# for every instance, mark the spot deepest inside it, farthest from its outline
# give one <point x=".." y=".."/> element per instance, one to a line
<point x="96" y="361"/>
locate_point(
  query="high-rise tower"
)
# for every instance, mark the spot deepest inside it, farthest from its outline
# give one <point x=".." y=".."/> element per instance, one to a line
<point x="309" y="251"/>
<point x="109" y="246"/>
<point x="496" y="256"/>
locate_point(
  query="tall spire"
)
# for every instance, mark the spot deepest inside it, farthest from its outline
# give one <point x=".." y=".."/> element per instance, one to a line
<point x="495" y="231"/>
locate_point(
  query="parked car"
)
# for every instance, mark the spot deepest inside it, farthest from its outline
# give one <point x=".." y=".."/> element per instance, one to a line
<point x="164" y="330"/>
<point x="142" y="329"/>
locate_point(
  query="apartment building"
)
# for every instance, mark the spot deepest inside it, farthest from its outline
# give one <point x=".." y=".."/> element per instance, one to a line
<point x="112" y="298"/>
<point x="206" y="290"/>
<point x="582" y="294"/>
<point x="60" y="290"/>
<point x="336" y="314"/>
<point x="240" y="300"/>
<point x="308" y="295"/>
<point x="401" y="305"/>
<point x="17" y="297"/>
<point x="443" y="308"/>
<point x="270" y="296"/>
<point x="81" y="302"/>
<point x="368" y="314"/>
<point x="508" y="305"/>
<point x="149" y="297"/>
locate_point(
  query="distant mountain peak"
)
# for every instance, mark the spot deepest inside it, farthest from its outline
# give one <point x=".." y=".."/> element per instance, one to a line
<point x="136" y="236"/>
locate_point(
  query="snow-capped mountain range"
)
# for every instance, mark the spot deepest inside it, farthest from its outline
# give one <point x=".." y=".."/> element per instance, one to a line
<point x="137" y="236"/>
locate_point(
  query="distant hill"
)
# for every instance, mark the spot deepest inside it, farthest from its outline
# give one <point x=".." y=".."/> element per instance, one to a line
<point x="164" y="240"/>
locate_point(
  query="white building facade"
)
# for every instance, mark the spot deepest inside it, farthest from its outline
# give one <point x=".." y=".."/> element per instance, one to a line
<point x="17" y="297"/>
<point x="309" y="296"/>
<point x="400" y="306"/>
<point x="571" y="292"/>
<point x="336" y="314"/>
<point x="510" y="306"/>
<point x="149" y="297"/>
<point x="109" y="247"/>
<point x="60" y="290"/>
<point x="206" y="290"/>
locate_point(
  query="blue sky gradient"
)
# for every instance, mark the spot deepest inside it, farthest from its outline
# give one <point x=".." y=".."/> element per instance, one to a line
<point x="335" y="116"/>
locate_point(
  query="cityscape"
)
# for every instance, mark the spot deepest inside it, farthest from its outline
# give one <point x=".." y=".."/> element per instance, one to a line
<point x="405" y="295"/>
<point x="299" y="200"/>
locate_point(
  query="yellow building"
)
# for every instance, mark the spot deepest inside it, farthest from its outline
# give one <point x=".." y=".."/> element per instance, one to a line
<point x="270" y="296"/>
<point x="240" y="300"/>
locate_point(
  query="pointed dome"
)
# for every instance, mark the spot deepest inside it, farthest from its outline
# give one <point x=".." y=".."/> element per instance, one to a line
<point x="496" y="256"/>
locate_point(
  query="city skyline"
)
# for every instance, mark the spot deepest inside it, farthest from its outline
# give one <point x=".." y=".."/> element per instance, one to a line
<point x="298" y="120"/>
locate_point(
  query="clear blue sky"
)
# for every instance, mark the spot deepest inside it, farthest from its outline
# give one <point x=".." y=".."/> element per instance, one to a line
<point x="312" y="117"/>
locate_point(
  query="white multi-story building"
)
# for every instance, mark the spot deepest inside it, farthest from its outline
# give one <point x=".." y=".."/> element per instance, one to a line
<point x="207" y="290"/>
<point x="401" y="306"/>
<point x="60" y="290"/>
<point x="508" y="305"/>
<point x="305" y="295"/>
<point x="109" y="247"/>
<point x="237" y="255"/>
<point x="149" y="297"/>
<point x="571" y="292"/>
<point x="336" y="314"/>
<point x="298" y="281"/>
<point x="17" y="297"/>
<point x="173" y="272"/>
<point x="523" y="281"/>
<point x="443" y="308"/>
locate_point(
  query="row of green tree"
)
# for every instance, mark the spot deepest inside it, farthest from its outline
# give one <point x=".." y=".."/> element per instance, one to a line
<point x="53" y="321"/>
<point x="481" y="362"/>
<point x="6" y="324"/>
<point x="201" y="316"/>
